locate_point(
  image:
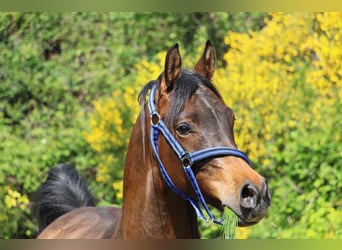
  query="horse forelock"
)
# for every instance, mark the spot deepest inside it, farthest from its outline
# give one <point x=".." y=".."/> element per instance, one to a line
<point x="184" y="89"/>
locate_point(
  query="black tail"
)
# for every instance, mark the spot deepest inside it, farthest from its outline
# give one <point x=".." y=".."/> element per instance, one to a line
<point x="63" y="191"/>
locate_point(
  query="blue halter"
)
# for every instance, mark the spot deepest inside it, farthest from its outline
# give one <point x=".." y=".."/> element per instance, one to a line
<point x="187" y="160"/>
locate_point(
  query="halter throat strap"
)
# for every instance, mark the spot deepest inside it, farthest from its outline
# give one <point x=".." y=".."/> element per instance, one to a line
<point x="188" y="159"/>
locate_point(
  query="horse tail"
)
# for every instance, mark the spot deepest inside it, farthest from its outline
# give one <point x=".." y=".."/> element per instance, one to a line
<point x="63" y="191"/>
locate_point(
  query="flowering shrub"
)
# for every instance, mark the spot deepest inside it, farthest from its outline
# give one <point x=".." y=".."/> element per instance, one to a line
<point x="283" y="83"/>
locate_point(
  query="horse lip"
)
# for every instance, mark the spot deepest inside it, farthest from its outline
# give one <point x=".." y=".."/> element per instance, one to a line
<point x="241" y="221"/>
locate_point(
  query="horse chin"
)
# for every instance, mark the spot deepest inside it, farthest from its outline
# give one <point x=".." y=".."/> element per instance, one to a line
<point x="243" y="223"/>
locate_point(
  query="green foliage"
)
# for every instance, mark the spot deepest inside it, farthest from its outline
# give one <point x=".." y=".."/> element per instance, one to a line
<point x="69" y="85"/>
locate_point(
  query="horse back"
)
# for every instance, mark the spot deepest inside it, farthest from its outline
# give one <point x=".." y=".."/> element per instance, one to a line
<point x="84" y="223"/>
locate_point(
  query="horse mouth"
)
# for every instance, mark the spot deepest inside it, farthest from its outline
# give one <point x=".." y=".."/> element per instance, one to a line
<point x="242" y="222"/>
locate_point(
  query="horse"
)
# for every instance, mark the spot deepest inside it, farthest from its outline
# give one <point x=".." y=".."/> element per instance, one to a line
<point x="181" y="159"/>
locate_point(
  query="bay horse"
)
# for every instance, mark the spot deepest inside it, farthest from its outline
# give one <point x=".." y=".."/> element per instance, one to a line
<point x="181" y="157"/>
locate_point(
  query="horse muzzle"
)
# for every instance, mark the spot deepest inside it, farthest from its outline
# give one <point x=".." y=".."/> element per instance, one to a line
<point x="253" y="203"/>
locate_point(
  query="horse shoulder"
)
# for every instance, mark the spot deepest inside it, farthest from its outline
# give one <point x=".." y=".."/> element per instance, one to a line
<point x="84" y="223"/>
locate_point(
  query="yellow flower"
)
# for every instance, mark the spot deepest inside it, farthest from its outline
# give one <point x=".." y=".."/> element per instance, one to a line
<point x="118" y="187"/>
<point x="10" y="201"/>
<point x="13" y="193"/>
<point x="14" y="198"/>
<point x="242" y="233"/>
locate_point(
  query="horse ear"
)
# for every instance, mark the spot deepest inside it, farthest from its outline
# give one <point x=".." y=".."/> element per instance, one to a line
<point x="172" y="68"/>
<point x="207" y="62"/>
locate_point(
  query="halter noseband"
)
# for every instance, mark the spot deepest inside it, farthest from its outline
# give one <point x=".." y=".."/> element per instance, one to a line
<point x="187" y="160"/>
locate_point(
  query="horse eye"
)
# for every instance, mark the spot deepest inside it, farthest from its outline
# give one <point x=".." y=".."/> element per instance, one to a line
<point x="184" y="129"/>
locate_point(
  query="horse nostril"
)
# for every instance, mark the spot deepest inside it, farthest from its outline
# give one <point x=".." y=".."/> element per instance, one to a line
<point x="250" y="196"/>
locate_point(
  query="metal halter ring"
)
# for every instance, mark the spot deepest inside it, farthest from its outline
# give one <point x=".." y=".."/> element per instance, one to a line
<point x="186" y="160"/>
<point x="155" y="118"/>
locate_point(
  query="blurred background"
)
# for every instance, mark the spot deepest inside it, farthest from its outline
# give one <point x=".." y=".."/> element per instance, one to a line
<point x="68" y="93"/>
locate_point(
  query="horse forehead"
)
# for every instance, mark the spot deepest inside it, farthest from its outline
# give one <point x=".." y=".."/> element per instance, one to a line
<point x="210" y="107"/>
<point x="213" y="118"/>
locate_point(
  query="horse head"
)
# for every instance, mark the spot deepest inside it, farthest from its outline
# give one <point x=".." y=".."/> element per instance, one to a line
<point x="199" y="123"/>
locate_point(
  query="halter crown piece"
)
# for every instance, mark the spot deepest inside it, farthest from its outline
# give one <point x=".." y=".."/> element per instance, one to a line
<point x="187" y="159"/>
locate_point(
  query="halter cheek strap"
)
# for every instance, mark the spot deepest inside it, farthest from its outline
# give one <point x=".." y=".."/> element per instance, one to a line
<point x="187" y="159"/>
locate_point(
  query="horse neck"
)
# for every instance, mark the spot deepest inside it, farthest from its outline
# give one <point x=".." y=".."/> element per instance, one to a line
<point x="150" y="208"/>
